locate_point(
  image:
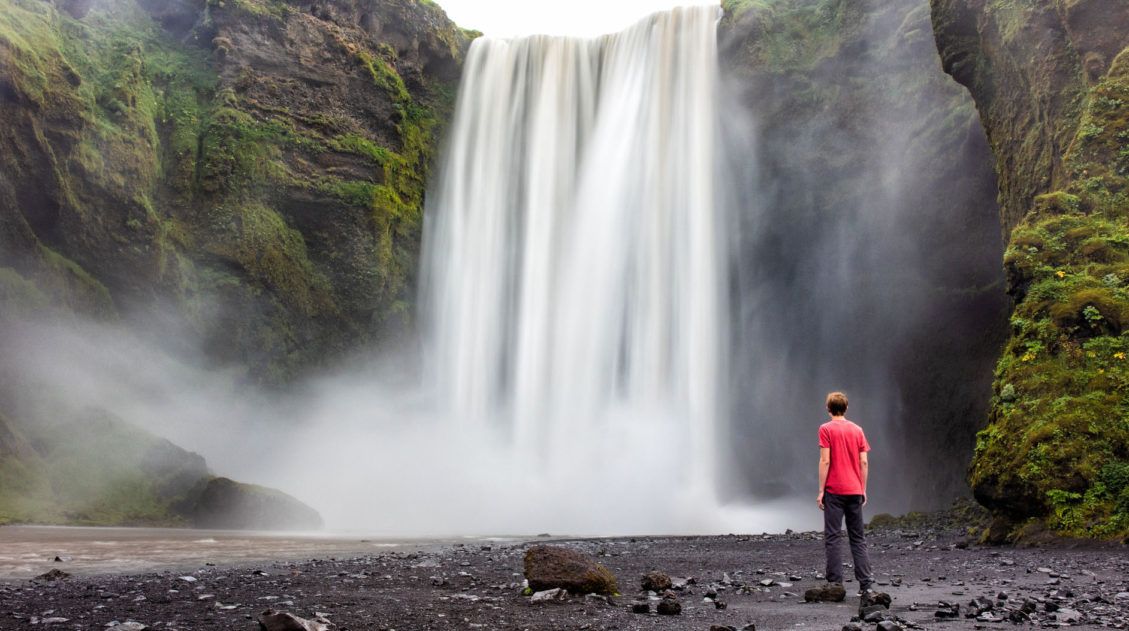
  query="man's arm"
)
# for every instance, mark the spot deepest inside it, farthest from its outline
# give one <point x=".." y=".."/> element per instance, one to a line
<point x="824" y="467"/>
<point x="864" y="469"/>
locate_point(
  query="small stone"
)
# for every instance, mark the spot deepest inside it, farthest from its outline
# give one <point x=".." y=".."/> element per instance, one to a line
<point x="874" y="614"/>
<point x="889" y="625"/>
<point x="549" y="596"/>
<point x="1068" y="615"/>
<point x="852" y="626"/>
<point x="719" y="604"/>
<point x="271" y="620"/>
<point x="768" y="582"/>
<point x="187" y="579"/>
<point x="641" y="606"/>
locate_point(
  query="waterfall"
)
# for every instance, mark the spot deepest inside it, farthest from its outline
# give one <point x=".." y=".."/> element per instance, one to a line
<point x="575" y="257"/>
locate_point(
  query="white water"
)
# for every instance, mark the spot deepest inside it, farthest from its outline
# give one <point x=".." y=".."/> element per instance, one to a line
<point x="575" y="270"/>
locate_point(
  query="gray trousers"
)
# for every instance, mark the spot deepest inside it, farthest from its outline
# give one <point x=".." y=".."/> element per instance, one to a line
<point x="835" y="508"/>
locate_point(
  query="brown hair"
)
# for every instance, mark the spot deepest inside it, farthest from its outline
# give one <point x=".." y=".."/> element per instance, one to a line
<point x="837" y="403"/>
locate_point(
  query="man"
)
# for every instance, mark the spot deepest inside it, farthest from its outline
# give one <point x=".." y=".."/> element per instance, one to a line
<point x="842" y="490"/>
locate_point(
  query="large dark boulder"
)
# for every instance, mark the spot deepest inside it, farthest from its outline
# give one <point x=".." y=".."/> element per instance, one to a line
<point x="226" y="504"/>
<point x="549" y="567"/>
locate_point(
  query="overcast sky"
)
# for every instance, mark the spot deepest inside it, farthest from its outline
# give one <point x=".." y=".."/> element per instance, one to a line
<point x="587" y="18"/>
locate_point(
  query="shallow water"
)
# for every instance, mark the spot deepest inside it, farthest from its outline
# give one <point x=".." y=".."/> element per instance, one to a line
<point x="28" y="551"/>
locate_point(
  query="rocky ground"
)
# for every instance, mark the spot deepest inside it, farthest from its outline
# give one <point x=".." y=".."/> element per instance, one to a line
<point x="936" y="579"/>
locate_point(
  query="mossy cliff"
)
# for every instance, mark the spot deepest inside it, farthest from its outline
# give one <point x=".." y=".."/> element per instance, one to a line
<point x="250" y="173"/>
<point x="869" y="245"/>
<point x="1051" y="82"/>
<point x="244" y="177"/>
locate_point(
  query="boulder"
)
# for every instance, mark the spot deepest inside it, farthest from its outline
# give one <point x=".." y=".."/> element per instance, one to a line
<point x="655" y="582"/>
<point x="550" y="567"/>
<point x="669" y="607"/>
<point x="829" y="593"/>
<point x="875" y="598"/>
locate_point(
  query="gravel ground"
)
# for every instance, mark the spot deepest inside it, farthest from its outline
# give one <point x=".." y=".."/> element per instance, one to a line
<point x="479" y="587"/>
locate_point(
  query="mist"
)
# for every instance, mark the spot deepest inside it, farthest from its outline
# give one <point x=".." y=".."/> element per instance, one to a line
<point x="867" y="249"/>
<point x="368" y="451"/>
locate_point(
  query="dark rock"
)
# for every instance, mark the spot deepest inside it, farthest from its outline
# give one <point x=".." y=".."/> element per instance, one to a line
<point x="947" y="610"/>
<point x="271" y="620"/>
<point x="548" y="567"/>
<point x="831" y="593"/>
<point x="876" y="598"/>
<point x="53" y="575"/>
<point x="655" y="582"/>
<point x="852" y="626"/>
<point x="874" y="613"/>
<point x="889" y="625"/>
<point x="640" y="606"/>
<point x="226" y="504"/>
<point x="719" y="604"/>
<point x="669" y="607"/>
<point x="867" y="612"/>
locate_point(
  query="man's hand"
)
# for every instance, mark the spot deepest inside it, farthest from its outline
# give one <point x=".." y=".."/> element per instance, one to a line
<point x="819" y="500"/>
<point x="864" y="499"/>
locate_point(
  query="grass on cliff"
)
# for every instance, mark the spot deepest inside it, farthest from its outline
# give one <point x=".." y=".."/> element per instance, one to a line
<point x="1059" y="430"/>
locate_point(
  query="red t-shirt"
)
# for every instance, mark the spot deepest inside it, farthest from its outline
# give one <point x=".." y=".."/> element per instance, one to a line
<point x="846" y="441"/>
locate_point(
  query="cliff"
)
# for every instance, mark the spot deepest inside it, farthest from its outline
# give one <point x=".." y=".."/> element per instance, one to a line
<point x="248" y="172"/>
<point x="244" y="177"/>
<point x="868" y="245"/>
<point x="1051" y="82"/>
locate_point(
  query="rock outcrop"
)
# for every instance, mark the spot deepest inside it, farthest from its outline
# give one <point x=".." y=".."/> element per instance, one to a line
<point x="869" y="238"/>
<point x="238" y="179"/>
<point x="1051" y="82"/>
<point x="226" y="504"/>
<point x="249" y="172"/>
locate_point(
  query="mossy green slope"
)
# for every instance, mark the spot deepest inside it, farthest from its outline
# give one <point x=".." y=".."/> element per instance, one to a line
<point x="241" y="177"/>
<point x="255" y="179"/>
<point x="1052" y="84"/>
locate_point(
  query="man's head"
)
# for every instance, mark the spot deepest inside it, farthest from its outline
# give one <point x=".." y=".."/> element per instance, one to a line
<point x="837" y="403"/>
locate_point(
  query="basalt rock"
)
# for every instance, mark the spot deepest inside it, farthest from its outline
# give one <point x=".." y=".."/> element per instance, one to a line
<point x="655" y="582"/>
<point x="832" y="593"/>
<point x="1051" y="83"/>
<point x="549" y="567"/>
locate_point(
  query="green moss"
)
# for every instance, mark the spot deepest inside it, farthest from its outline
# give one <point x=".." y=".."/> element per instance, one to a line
<point x="275" y="254"/>
<point x="1061" y="437"/>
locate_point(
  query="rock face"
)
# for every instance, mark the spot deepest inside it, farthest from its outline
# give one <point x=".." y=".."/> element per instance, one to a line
<point x="226" y="504"/>
<point x="252" y="171"/>
<point x="1051" y="82"/>
<point x="550" y="567"/>
<point x="869" y="224"/>
<point x="244" y="178"/>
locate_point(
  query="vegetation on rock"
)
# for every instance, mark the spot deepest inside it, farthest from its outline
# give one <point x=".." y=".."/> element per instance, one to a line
<point x="1051" y="81"/>
<point x="245" y="176"/>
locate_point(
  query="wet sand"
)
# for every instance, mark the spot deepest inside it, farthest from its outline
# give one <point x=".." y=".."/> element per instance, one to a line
<point x="28" y="551"/>
<point x="436" y="585"/>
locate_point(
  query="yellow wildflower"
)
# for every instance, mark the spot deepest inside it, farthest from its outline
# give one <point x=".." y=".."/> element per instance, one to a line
<point x="1119" y="355"/>
<point x="1060" y="274"/>
<point x="1028" y="356"/>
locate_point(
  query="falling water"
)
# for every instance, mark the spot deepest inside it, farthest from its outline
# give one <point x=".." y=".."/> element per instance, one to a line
<point x="575" y="255"/>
